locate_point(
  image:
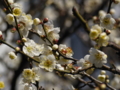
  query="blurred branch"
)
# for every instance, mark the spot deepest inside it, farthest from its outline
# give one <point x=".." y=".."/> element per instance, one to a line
<point x="81" y="19"/>
<point x="110" y="3"/>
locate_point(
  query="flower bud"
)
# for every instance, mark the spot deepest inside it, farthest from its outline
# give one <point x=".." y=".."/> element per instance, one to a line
<point x="112" y="11"/>
<point x="107" y="81"/>
<point x="101" y="77"/>
<point x="96" y="88"/>
<point x="94" y="17"/>
<point x="55" y="41"/>
<point x="36" y="21"/>
<point x="102" y="86"/>
<point x="17" y="49"/>
<point x="45" y="20"/>
<point x="103" y="72"/>
<point x="13" y="30"/>
<point x="55" y="47"/>
<point x="24" y="39"/>
<point x="108" y="32"/>
<point x="1" y="36"/>
<point x="19" y="42"/>
<point x="12" y="55"/>
<point x="10" y="18"/>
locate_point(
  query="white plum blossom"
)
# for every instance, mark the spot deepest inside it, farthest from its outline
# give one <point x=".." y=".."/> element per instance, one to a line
<point x="25" y="24"/>
<point x="102" y="14"/>
<point x="97" y="57"/>
<point x="102" y="78"/>
<point x="10" y="19"/>
<point x="107" y="22"/>
<point x="17" y="12"/>
<point x="30" y="75"/>
<point x="49" y="29"/>
<point x="48" y="62"/>
<point x="84" y="62"/>
<point x="32" y="49"/>
<point x="95" y="31"/>
<point x="103" y="39"/>
<point x="65" y="50"/>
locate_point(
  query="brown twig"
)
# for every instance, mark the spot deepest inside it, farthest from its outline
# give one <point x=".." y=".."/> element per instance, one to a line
<point x="110" y="3"/>
<point x="81" y="19"/>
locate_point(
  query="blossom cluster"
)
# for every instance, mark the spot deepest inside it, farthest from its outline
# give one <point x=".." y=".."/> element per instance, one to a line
<point x="99" y="33"/>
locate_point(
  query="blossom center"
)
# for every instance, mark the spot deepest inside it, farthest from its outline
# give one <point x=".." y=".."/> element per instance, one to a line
<point x="16" y="11"/>
<point x="106" y="21"/>
<point x="29" y="48"/>
<point x="98" y="56"/>
<point x="47" y="63"/>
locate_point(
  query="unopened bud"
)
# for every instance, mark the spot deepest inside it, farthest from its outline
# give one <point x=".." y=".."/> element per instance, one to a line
<point x="103" y="72"/>
<point x="112" y="11"/>
<point x="108" y="32"/>
<point x="24" y="39"/>
<point x="1" y="36"/>
<point x="107" y="81"/>
<point x="95" y="18"/>
<point x="96" y="88"/>
<point x="102" y="86"/>
<point x="36" y="21"/>
<point x="41" y="22"/>
<point x="19" y="42"/>
<point x="55" y="41"/>
<point x="13" y="30"/>
<point x="45" y="20"/>
<point x="12" y="55"/>
<point x="17" y="49"/>
<point x="55" y="47"/>
<point x="102" y="77"/>
<point x="107" y="76"/>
